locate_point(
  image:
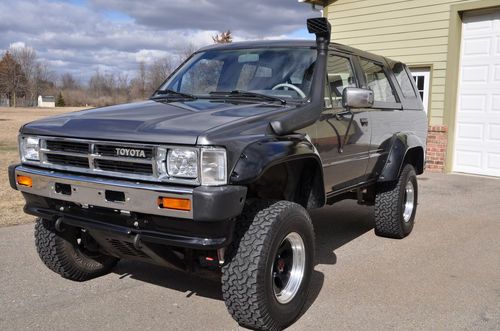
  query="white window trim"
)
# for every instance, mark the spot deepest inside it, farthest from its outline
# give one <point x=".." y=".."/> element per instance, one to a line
<point x="423" y="72"/>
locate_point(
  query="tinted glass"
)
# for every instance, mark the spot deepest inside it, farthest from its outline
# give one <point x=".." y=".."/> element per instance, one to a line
<point x="256" y="70"/>
<point x="403" y="80"/>
<point x="377" y="81"/>
<point x="202" y="78"/>
<point x="340" y="76"/>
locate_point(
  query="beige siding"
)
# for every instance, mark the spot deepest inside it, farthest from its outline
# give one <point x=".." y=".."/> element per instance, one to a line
<point x="412" y="31"/>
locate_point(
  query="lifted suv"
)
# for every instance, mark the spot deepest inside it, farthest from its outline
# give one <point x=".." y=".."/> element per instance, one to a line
<point x="220" y="167"/>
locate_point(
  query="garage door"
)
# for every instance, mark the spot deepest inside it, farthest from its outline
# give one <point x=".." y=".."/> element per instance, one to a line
<point x="477" y="130"/>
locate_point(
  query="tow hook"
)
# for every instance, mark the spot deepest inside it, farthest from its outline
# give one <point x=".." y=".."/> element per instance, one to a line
<point x="58" y="224"/>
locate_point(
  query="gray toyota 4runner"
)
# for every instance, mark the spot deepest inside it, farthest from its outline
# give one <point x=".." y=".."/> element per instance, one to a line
<point x="219" y="168"/>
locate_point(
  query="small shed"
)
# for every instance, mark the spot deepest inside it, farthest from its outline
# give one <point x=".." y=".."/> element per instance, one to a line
<point x="46" y="101"/>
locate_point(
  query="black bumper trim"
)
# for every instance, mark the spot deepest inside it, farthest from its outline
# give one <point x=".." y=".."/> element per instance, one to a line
<point x="218" y="203"/>
<point x="12" y="175"/>
<point x="146" y="236"/>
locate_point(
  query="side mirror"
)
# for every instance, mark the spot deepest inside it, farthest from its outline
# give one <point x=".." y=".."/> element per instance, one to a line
<point x="353" y="97"/>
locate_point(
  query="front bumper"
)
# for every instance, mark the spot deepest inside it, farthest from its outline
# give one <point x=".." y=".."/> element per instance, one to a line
<point x="208" y="225"/>
<point x="208" y="203"/>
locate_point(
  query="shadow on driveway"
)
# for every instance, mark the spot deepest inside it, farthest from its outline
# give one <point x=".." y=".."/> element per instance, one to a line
<point x="334" y="227"/>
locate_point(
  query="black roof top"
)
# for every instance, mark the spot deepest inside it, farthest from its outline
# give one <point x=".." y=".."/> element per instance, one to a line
<point x="290" y="43"/>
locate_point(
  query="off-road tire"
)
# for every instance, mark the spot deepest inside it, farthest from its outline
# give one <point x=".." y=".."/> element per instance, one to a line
<point x="247" y="283"/>
<point x="59" y="252"/>
<point x="389" y="206"/>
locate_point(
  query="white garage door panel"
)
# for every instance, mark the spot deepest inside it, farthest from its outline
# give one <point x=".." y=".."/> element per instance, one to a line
<point x="477" y="130"/>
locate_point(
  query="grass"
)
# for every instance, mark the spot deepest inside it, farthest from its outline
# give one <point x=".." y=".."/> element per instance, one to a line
<point x="11" y="119"/>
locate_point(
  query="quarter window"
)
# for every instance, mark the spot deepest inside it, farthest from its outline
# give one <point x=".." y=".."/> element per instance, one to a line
<point x="377" y="81"/>
<point x="404" y="81"/>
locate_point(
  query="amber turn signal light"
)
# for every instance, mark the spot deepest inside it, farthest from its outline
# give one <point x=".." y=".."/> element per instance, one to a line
<point x="24" y="181"/>
<point x="174" y="203"/>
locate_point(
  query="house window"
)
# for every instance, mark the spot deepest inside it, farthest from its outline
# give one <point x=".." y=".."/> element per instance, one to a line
<point x="422" y="80"/>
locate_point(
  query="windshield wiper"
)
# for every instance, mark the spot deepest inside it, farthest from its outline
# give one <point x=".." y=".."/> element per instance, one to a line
<point x="248" y="94"/>
<point x="165" y="93"/>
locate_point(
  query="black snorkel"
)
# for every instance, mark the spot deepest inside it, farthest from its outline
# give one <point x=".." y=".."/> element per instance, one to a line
<point x="310" y="112"/>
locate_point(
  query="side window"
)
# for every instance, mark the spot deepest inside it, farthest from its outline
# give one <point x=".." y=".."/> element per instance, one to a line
<point x="404" y="80"/>
<point x="340" y="76"/>
<point x="377" y="81"/>
<point x="202" y="78"/>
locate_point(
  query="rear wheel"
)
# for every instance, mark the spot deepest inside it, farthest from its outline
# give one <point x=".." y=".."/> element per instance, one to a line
<point x="265" y="281"/>
<point x="396" y="205"/>
<point x="72" y="253"/>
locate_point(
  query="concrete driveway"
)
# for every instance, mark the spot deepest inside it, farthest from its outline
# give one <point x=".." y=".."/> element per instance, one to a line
<point x="446" y="275"/>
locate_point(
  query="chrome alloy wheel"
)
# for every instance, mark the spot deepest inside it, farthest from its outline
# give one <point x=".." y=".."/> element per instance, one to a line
<point x="288" y="268"/>
<point x="409" y="201"/>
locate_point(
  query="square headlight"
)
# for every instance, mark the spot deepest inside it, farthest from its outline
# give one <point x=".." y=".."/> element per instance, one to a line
<point x="182" y="163"/>
<point x="30" y="149"/>
<point x="213" y="166"/>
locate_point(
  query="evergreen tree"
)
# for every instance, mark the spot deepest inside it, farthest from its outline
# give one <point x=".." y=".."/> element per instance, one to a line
<point x="60" y="101"/>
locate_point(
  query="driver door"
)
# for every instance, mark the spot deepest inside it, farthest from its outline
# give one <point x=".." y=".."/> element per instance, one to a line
<point x="342" y="137"/>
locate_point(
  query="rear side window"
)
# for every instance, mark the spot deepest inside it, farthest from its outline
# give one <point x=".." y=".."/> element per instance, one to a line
<point x="404" y="80"/>
<point x="377" y="81"/>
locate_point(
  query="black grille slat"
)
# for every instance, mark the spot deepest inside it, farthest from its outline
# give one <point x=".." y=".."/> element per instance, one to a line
<point x="66" y="160"/>
<point x="110" y="150"/>
<point x="68" y="147"/>
<point x="126" y="167"/>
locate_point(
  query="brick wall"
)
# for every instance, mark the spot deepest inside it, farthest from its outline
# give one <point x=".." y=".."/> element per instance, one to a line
<point x="437" y="140"/>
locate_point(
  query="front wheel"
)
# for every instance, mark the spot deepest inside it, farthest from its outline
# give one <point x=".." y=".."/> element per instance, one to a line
<point x="72" y="253"/>
<point x="396" y="205"/>
<point x="265" y="281"/>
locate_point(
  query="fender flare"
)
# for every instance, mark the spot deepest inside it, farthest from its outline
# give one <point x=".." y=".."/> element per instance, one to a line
<point x="257" y="157"/>
<point x="401" y="144"/>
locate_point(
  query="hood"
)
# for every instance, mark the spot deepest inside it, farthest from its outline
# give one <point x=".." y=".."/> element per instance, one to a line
<point x="151" y="121"/>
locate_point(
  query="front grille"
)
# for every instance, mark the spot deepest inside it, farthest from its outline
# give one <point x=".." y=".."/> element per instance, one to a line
<point x="68" y="146"/>
<point x="132" y="161"/>
<point x="68" y="161"/>
<point x="126" y="167"/>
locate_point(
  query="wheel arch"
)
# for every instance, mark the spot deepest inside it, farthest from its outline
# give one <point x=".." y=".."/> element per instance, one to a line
<point x="406" y="148"/>
<point x="282" y="169"/>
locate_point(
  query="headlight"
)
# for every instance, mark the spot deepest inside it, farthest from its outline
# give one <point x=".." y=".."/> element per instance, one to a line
<point x="213" y="166"/>
<point x="182" y="163"/>
<point x="30" y="149"/>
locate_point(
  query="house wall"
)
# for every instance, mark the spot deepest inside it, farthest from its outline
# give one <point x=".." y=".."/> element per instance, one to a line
<point x="420" y="33"/>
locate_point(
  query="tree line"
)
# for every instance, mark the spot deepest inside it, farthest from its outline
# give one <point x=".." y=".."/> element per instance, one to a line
<point x="23" y="77"/>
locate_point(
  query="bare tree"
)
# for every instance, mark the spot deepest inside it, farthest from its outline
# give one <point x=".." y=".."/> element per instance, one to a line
<point x="12" y="79"/>
<point x="158" y="71"/>
<point x="186" y="52"/>
<point x="38" y="76"/>
<point x="138" y="84"/>
<point x="223" y="38"/>
<point x="68" y="82"/>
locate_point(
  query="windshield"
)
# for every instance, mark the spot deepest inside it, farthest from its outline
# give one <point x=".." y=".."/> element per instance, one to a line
<point x="276" y="72"/>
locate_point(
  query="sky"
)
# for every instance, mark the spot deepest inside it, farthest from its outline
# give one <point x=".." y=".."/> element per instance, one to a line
<point x="82" y="36"/>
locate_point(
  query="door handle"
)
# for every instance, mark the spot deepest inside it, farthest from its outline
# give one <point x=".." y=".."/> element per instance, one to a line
<point x="363" y="121"/>
<point x="340" y="115"/>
